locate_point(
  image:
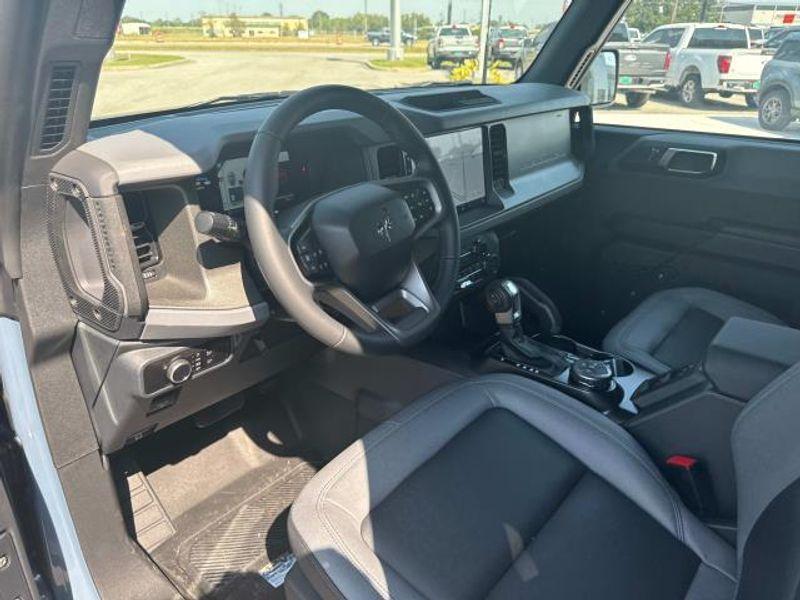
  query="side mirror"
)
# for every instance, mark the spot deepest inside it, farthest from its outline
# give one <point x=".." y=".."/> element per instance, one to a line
<point x="600" y="81"/>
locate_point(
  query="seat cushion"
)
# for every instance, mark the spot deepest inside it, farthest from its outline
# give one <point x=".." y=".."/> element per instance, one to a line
<point x="673" y="328"/>
<point x="502" y="487"/>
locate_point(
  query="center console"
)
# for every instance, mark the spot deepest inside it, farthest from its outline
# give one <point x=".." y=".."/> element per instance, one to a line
<point x="601" y="380"/>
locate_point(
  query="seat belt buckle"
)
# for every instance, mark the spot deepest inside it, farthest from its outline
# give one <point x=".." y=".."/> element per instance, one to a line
<point x="693" y="483"/>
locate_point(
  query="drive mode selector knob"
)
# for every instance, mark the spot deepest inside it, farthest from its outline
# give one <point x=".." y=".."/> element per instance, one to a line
<point x="179" y="371"/>
<point x="593" y="374"/>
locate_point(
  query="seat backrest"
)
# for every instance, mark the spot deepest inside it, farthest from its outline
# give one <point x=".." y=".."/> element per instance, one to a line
<point x="766" y="453"/>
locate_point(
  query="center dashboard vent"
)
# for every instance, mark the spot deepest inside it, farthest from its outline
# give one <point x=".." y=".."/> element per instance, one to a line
<point x="58" y="107"/>
<point x="498" y="146"/>
<point x="148" y="252"/>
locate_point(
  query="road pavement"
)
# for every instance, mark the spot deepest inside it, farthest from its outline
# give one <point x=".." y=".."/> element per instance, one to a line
<point x="205" y="75"/>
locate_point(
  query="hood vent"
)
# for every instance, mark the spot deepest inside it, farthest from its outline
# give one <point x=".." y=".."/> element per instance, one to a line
<point x="59" y="104"/>
<point x="498" y="145"/>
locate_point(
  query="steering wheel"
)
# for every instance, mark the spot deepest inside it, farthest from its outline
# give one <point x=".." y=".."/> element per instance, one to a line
<point x="341" y="264"/>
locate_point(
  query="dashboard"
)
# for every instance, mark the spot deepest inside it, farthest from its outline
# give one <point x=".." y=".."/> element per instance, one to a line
<point x="171" y="320"/>
<point x="306" y="170"/>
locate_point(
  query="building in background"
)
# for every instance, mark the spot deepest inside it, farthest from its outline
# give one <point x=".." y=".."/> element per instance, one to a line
<point x="747" y="12"/>
<point x="235" y="26"/>
<point x="134" y="28"/>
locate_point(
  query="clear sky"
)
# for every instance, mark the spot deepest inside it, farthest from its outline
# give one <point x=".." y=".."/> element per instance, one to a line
<point x="529" y="11"/>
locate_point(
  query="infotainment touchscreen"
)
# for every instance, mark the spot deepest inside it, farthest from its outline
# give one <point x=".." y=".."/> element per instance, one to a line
<point x="460" y="155"/>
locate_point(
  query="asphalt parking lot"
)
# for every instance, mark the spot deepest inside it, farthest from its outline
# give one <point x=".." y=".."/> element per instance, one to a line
<point x="719" y="115"/>
<point x="204" y="75"/>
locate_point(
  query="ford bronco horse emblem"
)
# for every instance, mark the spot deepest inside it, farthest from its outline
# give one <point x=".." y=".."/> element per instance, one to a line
<point x="385" y="226"/>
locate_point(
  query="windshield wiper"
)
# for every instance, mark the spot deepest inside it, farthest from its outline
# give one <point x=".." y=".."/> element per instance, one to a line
<point x="238" y="98"/>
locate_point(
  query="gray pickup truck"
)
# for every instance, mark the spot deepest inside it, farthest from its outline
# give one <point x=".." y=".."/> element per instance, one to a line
<point x="384" y="36"/>
<point x="642" y="67"/>
<point x="779" y="94"/>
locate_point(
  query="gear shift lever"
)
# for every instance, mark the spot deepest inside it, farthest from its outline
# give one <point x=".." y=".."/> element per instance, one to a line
<point x="504" y="301"/>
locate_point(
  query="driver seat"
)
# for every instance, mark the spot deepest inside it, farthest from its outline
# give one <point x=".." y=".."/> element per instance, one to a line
<point x="501" y="487"/>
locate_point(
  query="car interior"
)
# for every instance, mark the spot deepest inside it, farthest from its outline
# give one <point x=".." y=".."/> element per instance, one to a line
<point x="445" y="342"/>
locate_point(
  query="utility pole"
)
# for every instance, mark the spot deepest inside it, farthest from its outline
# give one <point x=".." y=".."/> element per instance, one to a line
<point x="674" y="11"/>
<point x="449" y="12"/>
<point x="486" y="11"/>
<point x="396" y="47"/>
<point x="366" y="23"/>
<point x="703" y="9"/>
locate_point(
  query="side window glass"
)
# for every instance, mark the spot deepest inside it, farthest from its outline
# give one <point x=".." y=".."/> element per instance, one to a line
<point x="702" y="67"/>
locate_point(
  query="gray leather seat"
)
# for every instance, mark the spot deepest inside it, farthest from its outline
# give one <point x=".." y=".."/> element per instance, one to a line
<point x="501" y="487"/>
<point x="673" y="328"/>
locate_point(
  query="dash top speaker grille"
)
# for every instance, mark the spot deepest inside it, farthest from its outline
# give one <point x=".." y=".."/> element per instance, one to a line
<point x="91" y="243"/>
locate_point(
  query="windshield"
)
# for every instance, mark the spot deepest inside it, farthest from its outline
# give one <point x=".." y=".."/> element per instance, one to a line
<point x="457" y="31"/>
<point x="169" y="55"/>
<point x="619" y="34"/>
<point x="512" y="33"/>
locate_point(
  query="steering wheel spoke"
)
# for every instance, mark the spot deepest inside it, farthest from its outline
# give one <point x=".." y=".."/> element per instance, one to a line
<point x="399" y="314"/>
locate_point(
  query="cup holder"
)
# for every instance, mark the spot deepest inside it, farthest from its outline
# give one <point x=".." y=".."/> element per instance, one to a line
<point x="622" y="367"/>
<point x="563" y="343"/>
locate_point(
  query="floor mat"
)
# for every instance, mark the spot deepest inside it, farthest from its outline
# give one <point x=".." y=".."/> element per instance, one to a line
<point x="228" y="557"/>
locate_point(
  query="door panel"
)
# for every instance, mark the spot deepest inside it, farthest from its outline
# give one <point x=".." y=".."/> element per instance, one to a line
<point x="735" y="228"/>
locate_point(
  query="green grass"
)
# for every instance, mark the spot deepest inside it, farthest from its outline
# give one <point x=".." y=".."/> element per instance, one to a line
<point x="409" y="62"/>
<point x="129" y="60"/>
<point x="255" y="46"/>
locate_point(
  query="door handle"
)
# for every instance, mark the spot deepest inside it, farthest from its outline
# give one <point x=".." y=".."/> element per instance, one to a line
<point x="687" y="161"/>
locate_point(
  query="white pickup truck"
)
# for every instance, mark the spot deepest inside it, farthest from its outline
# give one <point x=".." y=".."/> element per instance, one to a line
<point x="710" y="57"/>
<point x="454" y="43"/>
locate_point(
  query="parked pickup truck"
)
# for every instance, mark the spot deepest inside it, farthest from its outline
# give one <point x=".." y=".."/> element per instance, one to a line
<point x="453" y="43"/>
<point x="507" y="43"/>
<point x="642" y="66"/>
<point x="779" y="95"/>
<point x="384" y="36"/>
<point x="710" y="57"/>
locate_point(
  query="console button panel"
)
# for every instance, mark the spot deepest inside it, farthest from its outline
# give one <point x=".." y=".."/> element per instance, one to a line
<point x="479" y="261"/>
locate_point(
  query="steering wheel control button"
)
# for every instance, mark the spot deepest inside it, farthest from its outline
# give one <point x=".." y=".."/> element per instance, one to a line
<point x="593" y="374"/>
<point x="312" y="258"/>
<point x="179" y="371"/>
<point x="420" y="204"/>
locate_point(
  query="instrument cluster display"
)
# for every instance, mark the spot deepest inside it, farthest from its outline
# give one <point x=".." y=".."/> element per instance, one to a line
<point x="231" y="175"/>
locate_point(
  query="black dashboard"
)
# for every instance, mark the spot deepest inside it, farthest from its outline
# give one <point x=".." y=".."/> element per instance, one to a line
<point x="172" y="320"/>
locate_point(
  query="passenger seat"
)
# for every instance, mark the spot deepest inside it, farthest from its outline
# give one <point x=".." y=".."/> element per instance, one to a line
<point x="673" y="328"/>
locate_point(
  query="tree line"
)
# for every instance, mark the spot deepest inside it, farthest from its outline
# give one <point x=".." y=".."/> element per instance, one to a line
<point x="646" y="15"/>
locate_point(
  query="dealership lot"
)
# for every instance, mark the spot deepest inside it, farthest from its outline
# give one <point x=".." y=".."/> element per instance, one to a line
<point x="214" y="73"/>
<point x="240" y="72"/>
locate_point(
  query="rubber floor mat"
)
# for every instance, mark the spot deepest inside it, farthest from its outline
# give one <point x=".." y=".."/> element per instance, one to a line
<point x="226" y="558"/>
